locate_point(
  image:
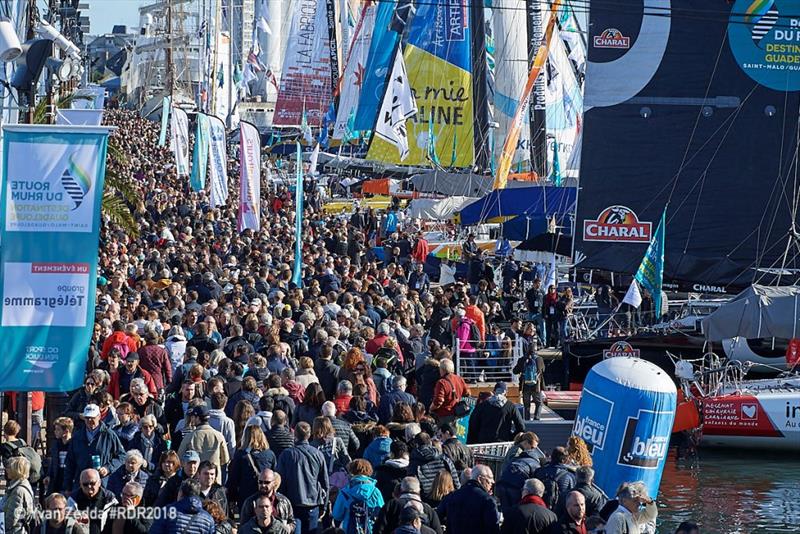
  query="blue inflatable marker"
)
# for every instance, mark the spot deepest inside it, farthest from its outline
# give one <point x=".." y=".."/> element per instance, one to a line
<point x="625" y="416"/>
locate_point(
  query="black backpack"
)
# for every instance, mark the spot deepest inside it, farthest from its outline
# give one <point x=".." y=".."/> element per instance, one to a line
<point x="550" y="481"/>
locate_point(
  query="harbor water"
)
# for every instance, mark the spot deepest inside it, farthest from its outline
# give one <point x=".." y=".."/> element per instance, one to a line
<point x="732" y="493"/>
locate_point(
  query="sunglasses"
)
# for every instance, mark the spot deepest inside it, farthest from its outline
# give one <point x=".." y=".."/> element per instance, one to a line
<point x="87" y="484"/>
<point x="265" y="482"/>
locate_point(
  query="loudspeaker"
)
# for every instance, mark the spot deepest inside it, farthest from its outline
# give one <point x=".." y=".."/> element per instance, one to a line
<point x="30" y="64"/>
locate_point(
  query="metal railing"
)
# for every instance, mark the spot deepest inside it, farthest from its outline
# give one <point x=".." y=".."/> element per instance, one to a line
<point x="489" y="363"/>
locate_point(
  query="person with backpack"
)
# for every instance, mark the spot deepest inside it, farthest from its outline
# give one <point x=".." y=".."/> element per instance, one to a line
<point x="119" y="340"/>
<point x="557" y="477"/>
<point x="495" y="419"/>
<point x="13" y="447"/>
<point x="513" y="476"/>
<point x="358" y="503"/>
<point x="530" y="368"/>
<point x="18" y="503"/>
<point x="447" y="393"/>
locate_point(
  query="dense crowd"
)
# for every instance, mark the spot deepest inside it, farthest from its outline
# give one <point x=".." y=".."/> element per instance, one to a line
<point x="221" y="397"/>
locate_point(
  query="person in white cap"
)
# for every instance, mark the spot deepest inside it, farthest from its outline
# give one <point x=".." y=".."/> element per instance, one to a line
<point x="93" y="446"/>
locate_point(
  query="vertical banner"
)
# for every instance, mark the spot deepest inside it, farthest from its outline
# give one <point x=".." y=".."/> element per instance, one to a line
<point x="52" y="189"/>
<point x="306" y="77"/>
<point x="166" y="104"/>
<point x="250" y="177"/>
<point x="510" y="145"/>
<point x="179" y="130"/>
<point x="297" y="279"/>
<point x="218" y="166"/>
<point x="200" y="155"/>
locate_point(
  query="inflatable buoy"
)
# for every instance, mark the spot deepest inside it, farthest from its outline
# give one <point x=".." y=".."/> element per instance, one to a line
<point x="625" y="416"/>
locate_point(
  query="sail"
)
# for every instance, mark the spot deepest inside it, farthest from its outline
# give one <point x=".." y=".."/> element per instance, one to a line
<point x="509" y="28"/>
<point x="438" y="58"/>
<point x="354" y="73"/>
<point x="564" y="108"/>
<point x="697" y="114"/>
<point x="306" y="74"/>
<point x="379" y="63"/>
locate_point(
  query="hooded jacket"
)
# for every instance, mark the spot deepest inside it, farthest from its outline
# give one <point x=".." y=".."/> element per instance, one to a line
<point x="360" y="488"/>
<point x="304" y="475"/>
<point x="389" y="518"/>
<point x="425" y="462"/>
<point x="495" y="419"/>
<point x="188" y="518"/>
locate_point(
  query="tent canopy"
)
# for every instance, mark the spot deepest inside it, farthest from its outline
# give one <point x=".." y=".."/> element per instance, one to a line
<point x="757" y="312"/>
<point x="436" y="209"/>
<point x="532" y="201"/>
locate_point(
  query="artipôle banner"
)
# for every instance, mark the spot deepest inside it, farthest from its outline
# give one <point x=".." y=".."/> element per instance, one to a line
<point x="250" y="178"/>
<point x="438" y="60"/>
<point x="306" y="74"/>
<point x="52" y="188"/>
<point x="217" y="163"/>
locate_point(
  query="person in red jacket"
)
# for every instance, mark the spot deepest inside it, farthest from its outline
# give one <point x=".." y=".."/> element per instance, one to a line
<point x="155" y="360"/>
<point x="118" y="338"/>
<point x="447" y="392"/>
<point x="121" y="378"/>
<point x="421" y="249"/>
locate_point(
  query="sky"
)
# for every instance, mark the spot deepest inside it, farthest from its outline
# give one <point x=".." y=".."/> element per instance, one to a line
<point x="104" y="14"/>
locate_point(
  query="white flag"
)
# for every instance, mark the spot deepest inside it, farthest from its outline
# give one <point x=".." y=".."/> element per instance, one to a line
<point x="633" y="296"/>
<point x="397" y="106"/>
<point x="312" y="166"/>
<point x="250" y="177"/>
<point x="217" y="163"/>
<point x="179" y="128"/>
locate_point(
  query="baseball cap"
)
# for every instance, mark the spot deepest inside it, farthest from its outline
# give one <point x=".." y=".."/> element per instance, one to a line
<point x="501" y="387"/>
<point x="199" y="411"/>
<point x="191" y="456"/>
<point x="91" y="410"/>
<point x="132" y="356"/>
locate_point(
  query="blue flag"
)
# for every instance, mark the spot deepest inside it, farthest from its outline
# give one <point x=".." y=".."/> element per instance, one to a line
<point x="298" y="218"/>
<point x="432" y="156"/>
<point x="202" y="143"/>
<point x="651" y="271"/>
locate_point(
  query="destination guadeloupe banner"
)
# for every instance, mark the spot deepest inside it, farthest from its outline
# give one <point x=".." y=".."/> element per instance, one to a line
<point x="439" y="66"/>
<point x="52" y="187"/>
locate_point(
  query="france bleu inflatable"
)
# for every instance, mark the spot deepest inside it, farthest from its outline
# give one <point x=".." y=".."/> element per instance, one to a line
<point x="625" y="416"/>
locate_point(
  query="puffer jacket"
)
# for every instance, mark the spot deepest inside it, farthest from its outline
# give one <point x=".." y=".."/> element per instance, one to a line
<point x="18" y="507"/>
<point x="425" y="463"/>
<point x="282" y="510"/>
<point x="513" y="477"/>
<point x="360" y="488"/>
<point x="188" y="518"/>
<point x="304" y="475"/>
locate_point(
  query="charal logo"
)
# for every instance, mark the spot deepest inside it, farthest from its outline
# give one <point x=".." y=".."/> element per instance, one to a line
<point x="621" y="348"/>
<point x="76" y="182"/>
<point x="594" y="416"/>
<point x="617" y="223"/>
<point x="612" y="38"/>
<point x="749" y="411"/>
<point x="646" y="439"/>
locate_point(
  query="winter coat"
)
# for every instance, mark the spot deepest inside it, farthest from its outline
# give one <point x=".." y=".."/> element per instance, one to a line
<point x="595" y="497"/>
<point x="76" y="404"/>
<point x="389" y="474"/>
<point x="469" y="510"/>
<point x="209" y="444"/>
<point x="105" y="444"/>
<point x="251" y="527"/>
<point x="224" y="425"/>
<point x="495" y="419"/>
<point x="150" y="449"/>
<point x="388" y="402"/>
<point x="460" y="454"/>
<point x="344" y="431"/>
<point x="425" y="463"/>
<point x="153" y="487"/>
<point x="563" y="476"/>
<point x="328" y="375"/>
<point x="100" y="507"/>
<point x="529" y="518"/>
<point x="155" y="360"/>
<point x="448" y="391"/>
<point x="282" y="510"/>
<point x="377" y="451"/>
<point x="304" y="475"/>
<point x="57" y="466"/>
<point x="466" y="343"/>
<point x="280" y="438"/>
<point x="305" y="413"/>
<point x="243" y="475"/>
<point x="427" y="377"/>
<point x="117" y="338"/>
<point x="18" y="507"/>
<point x="188" y="518"/>
<point x="360" y="488"/>
<point x="512" y="478"/>
<point x="121" y="476"/>
<point x="389" y="518"/>
<point x="438" y="325"/>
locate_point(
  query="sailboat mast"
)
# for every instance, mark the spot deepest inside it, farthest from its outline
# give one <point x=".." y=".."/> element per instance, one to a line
<point x="538" y="104"/>
<point x="480" y="87"/>
<point x="229" y="74"/>
<point x="168" y="51"/>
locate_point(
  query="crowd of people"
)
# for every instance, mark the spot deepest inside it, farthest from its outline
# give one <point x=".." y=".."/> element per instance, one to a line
<point x="220" y="397"/>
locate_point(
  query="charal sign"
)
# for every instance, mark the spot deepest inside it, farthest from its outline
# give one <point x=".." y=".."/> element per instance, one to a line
<point x="617" y="224"/>
<point x="611" y="38"/>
